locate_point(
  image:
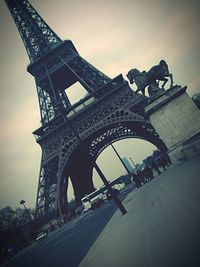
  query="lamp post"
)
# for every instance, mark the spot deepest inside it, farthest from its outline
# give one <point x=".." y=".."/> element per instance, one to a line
<point x="100" y="173"/>
<point x="121" y="159"/>
<point x="22" y="202"/>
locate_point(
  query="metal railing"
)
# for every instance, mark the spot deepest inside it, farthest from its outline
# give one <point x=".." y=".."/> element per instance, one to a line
<point x="80" y="106"/>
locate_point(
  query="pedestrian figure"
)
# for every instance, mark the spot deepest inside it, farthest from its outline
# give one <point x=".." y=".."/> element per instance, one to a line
<point x="146" y="174"/>
<point x="154" y="166"/>
<point x="143" y="177"/>
<point x="149" y="173"/>
<point x="168" y="160"/>
<point x="135" y="180"/>
<point x="138" y="179"/>
<point x="161" y="163"/>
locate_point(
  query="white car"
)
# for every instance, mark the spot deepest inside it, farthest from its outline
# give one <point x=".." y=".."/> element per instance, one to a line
<point x="41" y="236"/>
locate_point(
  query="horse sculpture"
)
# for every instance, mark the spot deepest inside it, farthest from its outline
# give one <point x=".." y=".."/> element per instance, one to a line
<point x="144" y="79"/>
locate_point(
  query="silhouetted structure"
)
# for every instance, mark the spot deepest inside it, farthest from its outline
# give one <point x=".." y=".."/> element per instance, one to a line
<point x="111" y="111"/>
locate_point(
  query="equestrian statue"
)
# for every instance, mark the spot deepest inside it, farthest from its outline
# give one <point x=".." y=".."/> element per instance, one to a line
<point x="150" y="78"/>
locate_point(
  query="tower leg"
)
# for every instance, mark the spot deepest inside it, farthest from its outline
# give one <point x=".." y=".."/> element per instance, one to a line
<point x="80" y="172"/>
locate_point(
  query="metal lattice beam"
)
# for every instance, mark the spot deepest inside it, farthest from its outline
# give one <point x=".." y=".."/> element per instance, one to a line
<point x="37" y="36"/>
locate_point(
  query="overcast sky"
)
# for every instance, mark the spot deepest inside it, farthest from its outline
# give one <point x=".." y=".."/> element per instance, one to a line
<point x="114" y="36"/>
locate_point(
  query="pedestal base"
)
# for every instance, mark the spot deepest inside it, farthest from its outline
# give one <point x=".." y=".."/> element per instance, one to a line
<point x="176" y="119"/>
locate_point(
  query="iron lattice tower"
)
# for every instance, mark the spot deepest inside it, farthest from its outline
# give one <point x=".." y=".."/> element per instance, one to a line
<point x="111" y="111"/>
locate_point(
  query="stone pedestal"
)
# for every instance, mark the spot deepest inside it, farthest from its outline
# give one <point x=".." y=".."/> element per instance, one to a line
<point x="177" y="120"/>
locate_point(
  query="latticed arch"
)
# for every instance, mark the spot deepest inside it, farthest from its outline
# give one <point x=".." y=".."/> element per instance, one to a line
<point x="124" y="130"/>
<point x="128" y="125"/>
<point x="118" y="124"/>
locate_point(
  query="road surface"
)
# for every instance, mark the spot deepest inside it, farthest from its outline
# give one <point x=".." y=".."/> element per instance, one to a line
<point x="66" y="246"/>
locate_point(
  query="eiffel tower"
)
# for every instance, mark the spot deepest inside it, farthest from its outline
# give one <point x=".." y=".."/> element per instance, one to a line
<point x="111" y="111"/>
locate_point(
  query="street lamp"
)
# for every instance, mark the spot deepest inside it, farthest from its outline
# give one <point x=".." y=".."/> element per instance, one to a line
<point x="22" y="202"/>
<point x="121" y="159"/>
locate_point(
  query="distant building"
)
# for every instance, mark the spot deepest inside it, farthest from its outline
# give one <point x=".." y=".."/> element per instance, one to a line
<point x="128" y="165"/>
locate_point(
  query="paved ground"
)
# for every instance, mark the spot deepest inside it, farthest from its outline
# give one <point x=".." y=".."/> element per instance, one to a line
<point x="161" y="228"/>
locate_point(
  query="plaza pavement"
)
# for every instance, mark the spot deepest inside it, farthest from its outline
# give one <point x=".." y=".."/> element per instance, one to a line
<point x="161" y="228"/>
